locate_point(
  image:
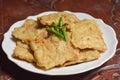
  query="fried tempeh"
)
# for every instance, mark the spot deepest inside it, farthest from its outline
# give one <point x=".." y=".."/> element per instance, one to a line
<point x="87" y="34"/>
<point x="84" y="56"/>
<point x="84" y="41"/>
<point x="53" y="52"/>
<point x="23" y="52"/>
<point x="26" y="32"/>
<point x="48" y="19"/>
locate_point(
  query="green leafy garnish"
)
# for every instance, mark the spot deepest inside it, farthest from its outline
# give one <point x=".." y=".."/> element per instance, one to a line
<point x="58" y="29"/>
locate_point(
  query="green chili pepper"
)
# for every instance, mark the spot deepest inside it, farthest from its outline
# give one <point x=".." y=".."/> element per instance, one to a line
<point x="58" y="30"/>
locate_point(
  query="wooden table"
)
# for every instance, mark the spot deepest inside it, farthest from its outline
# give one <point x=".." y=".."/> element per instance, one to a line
<point x="15" y="10"/>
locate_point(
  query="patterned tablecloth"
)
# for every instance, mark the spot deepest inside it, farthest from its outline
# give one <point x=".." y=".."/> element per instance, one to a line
<point x="15" y="10"/>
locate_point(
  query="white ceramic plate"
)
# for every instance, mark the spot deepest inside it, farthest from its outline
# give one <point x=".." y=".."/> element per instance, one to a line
<point x="109" y="35"/>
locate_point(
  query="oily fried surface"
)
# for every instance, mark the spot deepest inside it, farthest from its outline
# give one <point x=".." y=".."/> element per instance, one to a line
<point x="87" y="34"/>
<point x="84" y="41"/>
<point x="53" y="52"/>
<point x="48" y="19"/>
<point x="23" y="52"/>
<point x="84" y="56"/>
<point x="29" y="31"/>
<point x="26" y="32"/>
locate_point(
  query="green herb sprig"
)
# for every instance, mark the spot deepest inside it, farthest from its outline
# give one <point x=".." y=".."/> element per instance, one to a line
<point x="58" y="29"/>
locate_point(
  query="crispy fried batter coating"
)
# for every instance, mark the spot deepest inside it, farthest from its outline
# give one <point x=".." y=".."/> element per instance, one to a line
<point x="87" y="34"/>
<point x="84" y="41"/>
<point x="53" y="52"/>
<point x="26" y="32"/>
<point x="84" y="56"/>
<point x="23" y="52"/>
<point x="48" y="19"/>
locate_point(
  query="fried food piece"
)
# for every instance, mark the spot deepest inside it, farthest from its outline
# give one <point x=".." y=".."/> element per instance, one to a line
<point x="48" y="19"/>
<point x="27" y="32"/>
<point x="53" y="52"/>
<point x="84" y="56"/>
<point x="84" y="41"/>
<point x="23" y="52"/>
<point x="87" y="34"/>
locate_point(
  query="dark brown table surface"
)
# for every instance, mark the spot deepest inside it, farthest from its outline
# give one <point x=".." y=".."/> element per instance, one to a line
<point x="15" y="10"/>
